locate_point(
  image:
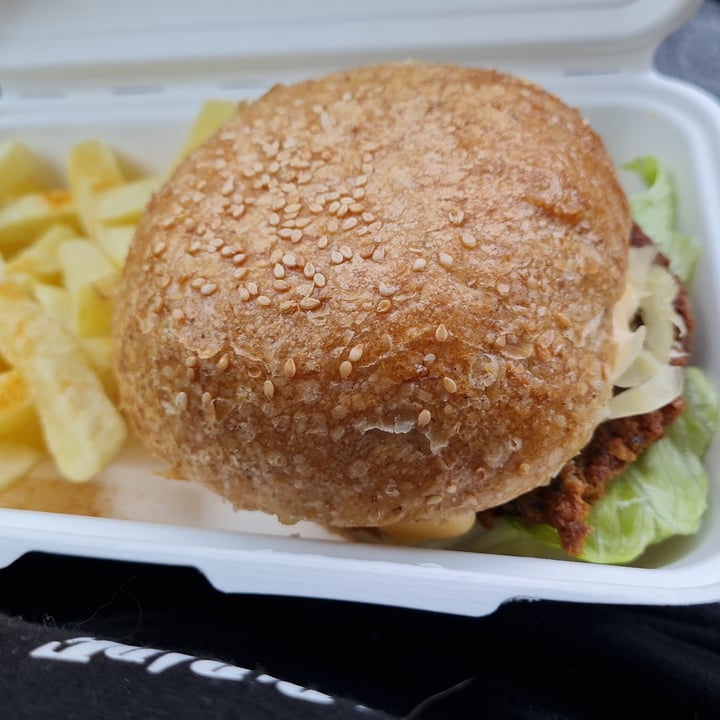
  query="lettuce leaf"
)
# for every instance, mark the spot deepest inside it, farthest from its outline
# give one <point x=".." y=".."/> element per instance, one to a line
<point x="661" y="494"/>
<point x="654" y="211"/>
<point x="665" y="491"/>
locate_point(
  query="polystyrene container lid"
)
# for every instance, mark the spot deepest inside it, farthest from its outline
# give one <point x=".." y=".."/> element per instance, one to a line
<point x="45" y="43"/>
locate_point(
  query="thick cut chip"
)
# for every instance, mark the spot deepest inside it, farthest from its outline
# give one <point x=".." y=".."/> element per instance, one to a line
<point x="16" y="405"/>
<point x="16" y="461"/>
<point x="91" y="279"/>
<point x="92" y="168"/>
<point x="19" y="170"/>
<point x="40" y="259"/>
<point x="56" y="302"/>
<point x="82" y="428"/>
<point x="115" y="241"/>
<point x="22" y="220"/>
<point x="125" y="203"/>
<point x="212" y="116"/>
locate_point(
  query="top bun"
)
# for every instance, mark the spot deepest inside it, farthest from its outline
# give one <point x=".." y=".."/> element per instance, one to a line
<point x="378" y="296"/>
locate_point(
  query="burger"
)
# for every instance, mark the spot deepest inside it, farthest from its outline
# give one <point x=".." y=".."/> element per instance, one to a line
<point x="401" y="297"/>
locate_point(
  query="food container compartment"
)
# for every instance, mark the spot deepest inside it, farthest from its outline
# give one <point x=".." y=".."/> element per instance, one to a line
<point x="147" y="517"/>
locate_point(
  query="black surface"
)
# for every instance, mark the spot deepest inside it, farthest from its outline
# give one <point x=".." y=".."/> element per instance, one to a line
<point x="527" y="660"/>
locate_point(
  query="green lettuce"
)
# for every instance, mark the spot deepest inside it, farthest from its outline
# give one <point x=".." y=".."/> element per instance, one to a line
<point x="654" y="211"/>
<point x="665" y="491"/>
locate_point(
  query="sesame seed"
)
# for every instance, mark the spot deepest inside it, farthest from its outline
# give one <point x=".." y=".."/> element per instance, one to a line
<point x="319" y="280"/>
<point x="342" y="211"/>
<point x="445" y="260"/>
<point x="419" y="265"/>
<point x="281" y="285"/>
<point x="244" y="294"/>
<point x="269" y="389"/>
<point x="332" y="196"/>
<point x="378" y="254"/>
<point x="315" y="208"/>
<point x="345" y="369"/>
<point x="288" y="306"/>
<point x="356" y="353"/>
<point x="227" y="251"/>
<point x="358" y="193"/>
<point x="223" y="363"/>
<point x="191" y="361"/>
<point x="285" y="233"/>
<point x="276" y="255"/>
<point x="253" y="288"/>
<point x="296" y="236"/>
<point x="350" y="223"/>
<point x="449" y="384"/>
<point x="441" y="333"/>
<point x="334" y="207"/>
<point x="294" y="208"/>
<point x="468" y="240"/>
<point x="159" y="248"/>
<point x="239" y="258"/>
<point x="195" y="246"/>
<point x="309" y="303"/>
<point x="303" y="222"/>
<point x="240" y="273"/>
<point x="289" y="260"/>
<point x="383" y="306"/>
<point x="178" y="314"/>
<point x="279" y="271"/>
<point x="237" y="210"/>
<point x="206" y="399"/>
<point x="264" y="300"/>
<point x="361" y="180"/>
<point x="332" y="226"/>
<point x="216" y="242"/>
<point x="368" y="217"/>
<point x="356" y="208"/>
<point x="309" y="271"/>
<point x="424" y="417"/>
<point x="346" y="252"/>
<point x="181" y="401"/>
<point x="336" y="257"/>
<point x="208" y="289"/>
<point x="228" y="187"/>
<point x="274" y="219"/>
<point x="385" y="289"/>
<point x="278" y="204"/>
<point x="289" y="368"/>
<point x="322" y="242"/>
<point x="456" y="217"/>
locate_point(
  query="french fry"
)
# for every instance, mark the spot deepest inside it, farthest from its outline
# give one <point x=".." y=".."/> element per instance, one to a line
<point x="40" y="259"/>
<point x="56" y="302"/>
<point x="212" y="116"/>
<point x="16" y="461"/>
<point x="99" y="354"/>
<point x="92" y="167"/>
<point x="16" y="405"/>
<point x="90" y="278"/>
<point x="115" y="241"/>
<point x="19" y="170"/>
<point x="82" y="428"/>
<point x="126" y="203"/>
<point x="23" y="219"/>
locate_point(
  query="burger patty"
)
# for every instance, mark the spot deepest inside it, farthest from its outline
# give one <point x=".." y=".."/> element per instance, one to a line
<point x="566" y="502"/>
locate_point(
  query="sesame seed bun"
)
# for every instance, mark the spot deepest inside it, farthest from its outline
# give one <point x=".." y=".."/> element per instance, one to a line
<point x="377" y="296"/>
